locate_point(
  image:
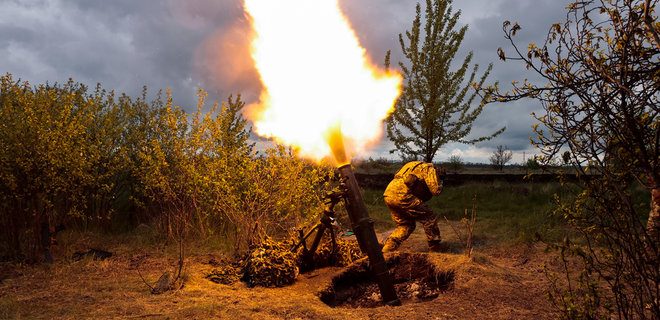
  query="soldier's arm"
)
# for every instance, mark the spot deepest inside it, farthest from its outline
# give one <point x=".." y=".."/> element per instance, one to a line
<point x="432" y="182"/>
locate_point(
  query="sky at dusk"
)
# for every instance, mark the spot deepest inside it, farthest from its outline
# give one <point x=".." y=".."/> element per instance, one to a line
<point x="185" y="45"/>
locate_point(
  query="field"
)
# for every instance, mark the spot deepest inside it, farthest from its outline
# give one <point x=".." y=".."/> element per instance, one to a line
<point x="504" y="278"/>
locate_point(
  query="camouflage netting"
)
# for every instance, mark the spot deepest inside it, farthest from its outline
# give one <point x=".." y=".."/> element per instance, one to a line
<point x="273" y="264"/>
<point x="226" y="274"/>
<point x="345" y="253"/>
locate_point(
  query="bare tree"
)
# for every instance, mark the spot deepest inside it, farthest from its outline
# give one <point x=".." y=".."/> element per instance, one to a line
<point x="500" y="157"/>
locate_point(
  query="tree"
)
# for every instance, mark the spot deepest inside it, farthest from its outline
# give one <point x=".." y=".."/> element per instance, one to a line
<point x="500" y="157"/>
<point x="601" y="69"/>
<point x="566" y="157"/>
<point x="95" y="159"/>
<point x="455" y="163"/>
<point x="51" y="161"/>
<point x="532" y="164"/>
<point x="435" y="107"/>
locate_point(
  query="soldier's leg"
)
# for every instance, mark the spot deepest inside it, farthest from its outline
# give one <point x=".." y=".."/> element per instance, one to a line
<point x="429" y="220"/>
<point x="405" y="226"/>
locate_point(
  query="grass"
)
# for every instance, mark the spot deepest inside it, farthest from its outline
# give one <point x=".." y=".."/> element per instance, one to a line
<point x="519" y="212"/>
<point x="509" y="213"/>
<point x="378" y="211"/>
<point x="9" y="308"/>
<point x="506" y="212"/>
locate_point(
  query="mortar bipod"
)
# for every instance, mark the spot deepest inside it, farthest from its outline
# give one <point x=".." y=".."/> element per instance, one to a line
<point x="330" y="199"/>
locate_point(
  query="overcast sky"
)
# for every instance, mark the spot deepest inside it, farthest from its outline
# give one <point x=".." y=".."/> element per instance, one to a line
<point x="185" y="45"/>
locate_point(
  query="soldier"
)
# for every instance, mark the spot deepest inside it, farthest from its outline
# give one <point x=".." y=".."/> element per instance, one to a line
<point x="406" y="195"/>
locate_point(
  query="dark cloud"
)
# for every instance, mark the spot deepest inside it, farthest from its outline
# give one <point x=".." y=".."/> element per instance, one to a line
<point x="483" y="37"/>
<point x="224" y="64"/>
<point x="378" y="23"/>
<point x="184" y="45"/>
<point x="382" y="24"/>
<point x="121" y="44"/>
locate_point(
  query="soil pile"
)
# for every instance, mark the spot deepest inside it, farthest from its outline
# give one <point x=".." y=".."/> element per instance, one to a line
<point x="415" y="278"/>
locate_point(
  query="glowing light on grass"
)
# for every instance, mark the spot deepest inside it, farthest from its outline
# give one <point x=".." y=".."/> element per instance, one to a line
<point x="317" y="79"/>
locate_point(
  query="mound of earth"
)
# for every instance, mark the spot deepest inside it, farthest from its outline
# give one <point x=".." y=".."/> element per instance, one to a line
<point x="415" y="278"/>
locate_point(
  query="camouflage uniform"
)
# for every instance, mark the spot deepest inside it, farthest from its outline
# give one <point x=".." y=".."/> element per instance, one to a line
<point x="406" y="208"/>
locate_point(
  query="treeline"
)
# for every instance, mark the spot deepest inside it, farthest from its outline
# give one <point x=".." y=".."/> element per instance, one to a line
<point x="91" y="158"/>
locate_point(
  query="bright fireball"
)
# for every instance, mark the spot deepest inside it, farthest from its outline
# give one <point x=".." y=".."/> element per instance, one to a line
<point x="316" y="76"/>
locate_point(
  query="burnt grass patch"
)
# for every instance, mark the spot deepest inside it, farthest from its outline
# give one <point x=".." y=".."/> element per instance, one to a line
<point x="415" y="278"/>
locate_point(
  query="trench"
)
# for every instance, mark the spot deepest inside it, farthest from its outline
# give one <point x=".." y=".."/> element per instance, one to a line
<point x="415" y="278"/>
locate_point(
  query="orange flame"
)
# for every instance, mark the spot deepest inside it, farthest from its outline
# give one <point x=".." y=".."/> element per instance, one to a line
<point x="317" y="79"/>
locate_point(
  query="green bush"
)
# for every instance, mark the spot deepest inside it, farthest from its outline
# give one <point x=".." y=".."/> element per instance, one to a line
<point x="94" y="159"/>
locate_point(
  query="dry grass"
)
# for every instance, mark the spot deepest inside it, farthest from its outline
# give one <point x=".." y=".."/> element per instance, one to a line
<point x="489" y="284"/>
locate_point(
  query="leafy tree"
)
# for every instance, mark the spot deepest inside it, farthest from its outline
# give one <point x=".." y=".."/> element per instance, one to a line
<point x="104" y="147"/>
<point x="167" y="170"/>
<point x="270" y="195"/>
<point x="205" y="176"/>
<point x="47" y="161"/>
<point x="140" y="121"/>
<point x="566" y="157"/>
<point x="532" y="164"/>
<point x="455" y="163"/>
<point x="253" y="193"/>
<point x="600" y="99"/>
<point x="435" y="107"/>
<point x="500" y="157"/>
<point x="229" y="156"/>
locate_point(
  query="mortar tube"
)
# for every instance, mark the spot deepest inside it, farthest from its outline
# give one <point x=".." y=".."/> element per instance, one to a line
<point x="363" y="227"/>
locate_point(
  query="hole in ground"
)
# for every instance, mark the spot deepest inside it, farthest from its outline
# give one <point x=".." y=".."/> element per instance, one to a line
<point x="415" y="279"/>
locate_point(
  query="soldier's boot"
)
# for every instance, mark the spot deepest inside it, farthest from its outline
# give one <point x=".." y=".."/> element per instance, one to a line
<point x="437" y="246"/>
<point x="389" y="246"/>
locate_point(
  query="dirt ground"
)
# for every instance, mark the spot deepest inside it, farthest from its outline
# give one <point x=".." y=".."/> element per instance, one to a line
<point x="495" y="283"/>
